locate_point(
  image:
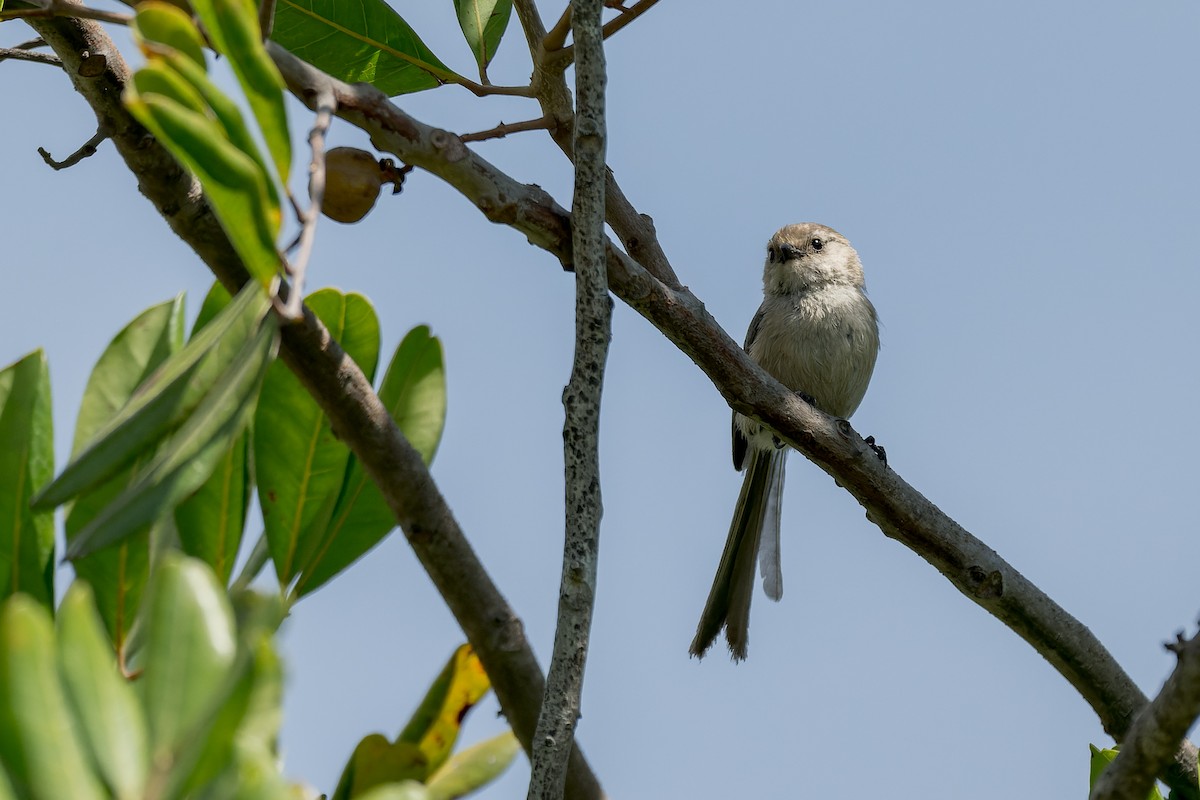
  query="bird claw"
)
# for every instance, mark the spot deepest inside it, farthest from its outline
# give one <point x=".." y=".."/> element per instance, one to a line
<point x="878" y="448"/>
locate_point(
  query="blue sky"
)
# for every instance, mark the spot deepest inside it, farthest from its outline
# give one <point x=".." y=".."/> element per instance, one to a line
<point x="1020" y="181"/>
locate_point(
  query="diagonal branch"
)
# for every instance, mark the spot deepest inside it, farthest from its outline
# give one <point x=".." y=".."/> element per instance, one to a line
<point x="581" y="429"/>
<point x="899" y="510"/>
<point x="344" y="394"/>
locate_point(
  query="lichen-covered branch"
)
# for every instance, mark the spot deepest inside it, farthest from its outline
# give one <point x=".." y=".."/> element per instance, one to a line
<point x="581" y="430"/>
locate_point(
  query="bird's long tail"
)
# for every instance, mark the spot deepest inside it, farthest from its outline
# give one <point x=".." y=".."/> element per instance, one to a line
<point x="754" y="533"/>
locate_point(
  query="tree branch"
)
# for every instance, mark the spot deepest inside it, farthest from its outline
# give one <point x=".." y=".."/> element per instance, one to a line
<point x="565" y="55"/>
<point x="86" y="150"/>
<point x="298" y="267"/>
<point x="636" y="231"/>
<point x="1153" y="740"/>
<point x="505" y="128"/>
<point x="344" y="394"/>
<point x="581" y="430"/>
<point x="900" y="511"/>
<point x="47" y="9"/>
<point x="25" y="54"/>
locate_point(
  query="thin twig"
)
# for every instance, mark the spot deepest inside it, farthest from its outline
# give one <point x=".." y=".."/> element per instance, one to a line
<point x="1153" y="740"/>
<point x="566" y="55"/>
<point x="554" y="736"/>
<point x="32" y="44"/>
<point x="505" y="128"/>
<point x="87" y="149"/>
<point x="556" y="37"/>
<point x="59" y="8"/>
<point x="481" y="90"/>
<point x="326" y="105"/>
<point x="266" y="18"/>
<point x="22" y="54"/>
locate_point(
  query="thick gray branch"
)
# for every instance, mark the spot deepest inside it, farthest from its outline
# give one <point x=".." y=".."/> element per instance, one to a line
<point x="344" y="394"/>
<point x="899" y="510"/>
<point x="1153" y="740"/>
<point x="581" y="429"/>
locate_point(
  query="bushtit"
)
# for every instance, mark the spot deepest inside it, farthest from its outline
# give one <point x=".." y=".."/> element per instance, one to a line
<point x="817" y="333"/>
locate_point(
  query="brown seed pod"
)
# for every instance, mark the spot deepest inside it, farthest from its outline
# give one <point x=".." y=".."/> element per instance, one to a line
<point x="352" y="181"/>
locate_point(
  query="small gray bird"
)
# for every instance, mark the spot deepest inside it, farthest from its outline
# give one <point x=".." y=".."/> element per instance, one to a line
<point x="817" y="333"/>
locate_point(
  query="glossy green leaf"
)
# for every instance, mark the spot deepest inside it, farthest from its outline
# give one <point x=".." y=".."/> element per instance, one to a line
<point x="200" y="758"/>
<point x="473" y="768"/>
<point x="233" y="27"/>
<point x="299" y="464"/>
<point x="167" y="24"/>
<point x="435" y="725"/>
<point x="233" y="181"/>
<point x="223" y="109"/>
<point x="7" y="792"/>
<point x="212" y="521"/>
<point x="189" y="456"/>
<point x="39" y="742"/>
<point x="237" y="733"/>
<point x="130" y="392"/>
<point x="26" y="462"/>
<point x="483" y="23"/>
<point x="111" y="724"/>
<point x="359" y="40"/>
<point x="190" y="647"/>
<point x="414" y="392"/>
<point x="118" y="424"/>
<point x="376" y="762"/>
<point x="158" y="77"/>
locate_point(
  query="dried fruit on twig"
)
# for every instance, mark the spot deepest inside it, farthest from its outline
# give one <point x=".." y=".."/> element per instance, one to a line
<point x="352" y="181"/>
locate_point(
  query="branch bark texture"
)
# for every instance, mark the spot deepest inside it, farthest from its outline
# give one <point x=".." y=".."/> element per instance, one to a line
<point x="1153" y="739"/>
<point x="581" y="430"/>
<point x="344" y="394"/>
<point x="900" y="511"/>
<point x="644" y="280"/>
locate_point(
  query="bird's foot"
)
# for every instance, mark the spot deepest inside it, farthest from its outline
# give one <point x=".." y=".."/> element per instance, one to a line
<point x="878" y="448"/>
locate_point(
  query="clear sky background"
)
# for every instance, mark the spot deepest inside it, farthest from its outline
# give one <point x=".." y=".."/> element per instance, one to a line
<point x="1020" y="180"/>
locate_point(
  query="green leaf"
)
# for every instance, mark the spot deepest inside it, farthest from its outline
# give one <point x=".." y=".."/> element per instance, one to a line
<point x="1100" y="761"/>
<point x="235" y="738"/>
<point x="6" y="789"/>
<point x="299" y="464"/>
<point x="119" y="424"/>
<point x="126" y="392"/>
<point x="190" y="647"/>
<point x="377" y="762"/>
<point x="473" y="768"/>
<point x="359" y="40"/>
<point x="223" y="109"/>
<point x="26" y="462"/>
<point x="414" y="392"/>
<point x="39" y="746"/>
<point x="483" y="22"/>
<point x="188" y="458"/>
<point x="233" y="27"/>
<point x="166" y="24"/>
<point x="110" y="719"/>
<point x="435" y="725"/>
<point x="212" y="521"/>
<point x="158" y="77"/>
<point x="234" y="182"/>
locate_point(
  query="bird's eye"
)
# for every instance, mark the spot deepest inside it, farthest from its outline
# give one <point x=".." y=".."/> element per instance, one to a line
<point x="773" y="254"/>
<point x="818" y="243"/>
